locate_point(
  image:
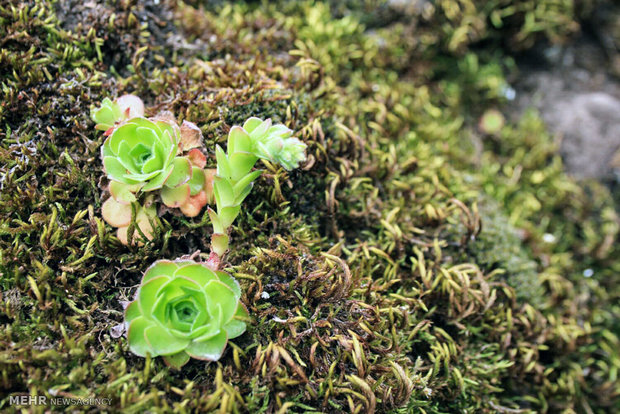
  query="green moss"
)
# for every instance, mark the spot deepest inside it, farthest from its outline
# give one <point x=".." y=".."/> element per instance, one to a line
<point x="500" y="246"/>
<point x="407" y="268"/>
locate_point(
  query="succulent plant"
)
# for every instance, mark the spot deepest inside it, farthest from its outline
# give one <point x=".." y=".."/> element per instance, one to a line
<point x="112" y="112"/>
<point x="234" y="177"/>
<point x="155" y="155"/>
<point x="275" y="143"/>
<point x="106" y="115"/>
<point x="184" y="309"/>
<point x="147" y="157"/>
<point x="142" y="153"/>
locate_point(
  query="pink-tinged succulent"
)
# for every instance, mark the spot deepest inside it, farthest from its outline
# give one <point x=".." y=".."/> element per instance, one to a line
<point x="184" y="309"/>
<point x="143" y="157"/>
<point x="119" y="215"/>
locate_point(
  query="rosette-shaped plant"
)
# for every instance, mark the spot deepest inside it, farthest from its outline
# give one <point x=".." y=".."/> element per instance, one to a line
<point x="146" y="159"/>
<point x="184" y="309"/>
<point x="141" y="154"/>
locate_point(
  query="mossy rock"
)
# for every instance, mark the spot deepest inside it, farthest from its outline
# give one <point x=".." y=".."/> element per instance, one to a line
<point x="407" y="267"/>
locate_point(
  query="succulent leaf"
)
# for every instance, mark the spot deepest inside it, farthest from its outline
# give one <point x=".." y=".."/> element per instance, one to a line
<point x="106" y="115"/>
<point x="160" y="268"/>
<point x="243" y="193"/>
<point x="181" y="173"/>
<point x="219" y="243"/>
<point x="245" y="182"/>
<point x="194" y="204"/>
<point x="239" y="140"/>
<point x="191" y="136"/>
<point x="215" y="220"/>
<point x="223" y="167"/>
<point x="124" y="193"/>
<point x="197" y="181"/>
<point x="131" y="105"/>
<point x="228" y="214"/>
<point x="135" y="336"/>
<point x="132" y="312"/>
<point x="177" y="360"/>
<point x="115" y="213"/>
<point x="197" y="158"/>
<point x="234" y="328"/>
<point x="229" y="281"/>
<point x="240" y="164"/>
<point x="210" y="349"/>
<point x="164" y="342"/>
<point x="251" y="123"/>
<point x="223" y="191"/>
<point x="144" y="217"/>
<point x="260" y="129"/>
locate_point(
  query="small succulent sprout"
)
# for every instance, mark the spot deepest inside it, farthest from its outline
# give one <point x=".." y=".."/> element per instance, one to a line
<point x="108" y="114"/>
<point x="184" y="309"/>
<point x="275" y="143"/>
<point x="111" y="113"/>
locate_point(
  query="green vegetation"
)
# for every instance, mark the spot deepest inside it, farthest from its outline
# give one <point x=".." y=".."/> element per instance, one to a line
<point x="148" y="160"/>
<point x="184" y="309"/>
<point x="234" y="177"/>
<point x="415" y="263"/>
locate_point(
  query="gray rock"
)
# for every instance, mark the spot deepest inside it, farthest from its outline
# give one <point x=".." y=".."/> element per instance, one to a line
<point x="579" y="101"/>
<point x="590" y="128"/>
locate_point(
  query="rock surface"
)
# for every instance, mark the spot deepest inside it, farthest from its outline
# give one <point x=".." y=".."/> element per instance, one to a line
<point x="580" y="102"/>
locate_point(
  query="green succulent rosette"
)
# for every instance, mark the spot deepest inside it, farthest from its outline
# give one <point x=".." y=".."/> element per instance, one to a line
<point x="143" y="153"/>
<point x="184" y="309"/>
